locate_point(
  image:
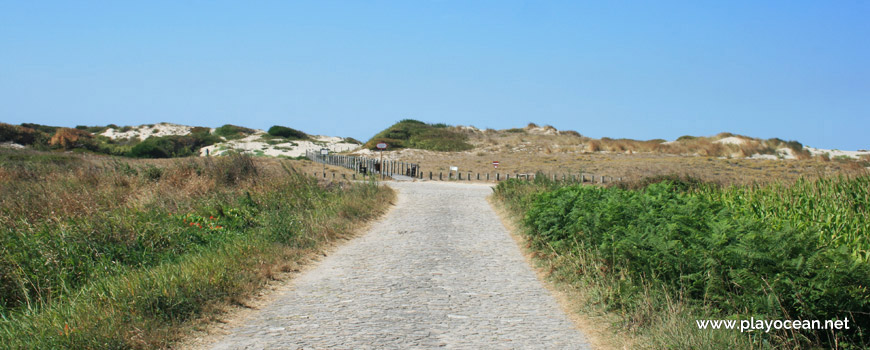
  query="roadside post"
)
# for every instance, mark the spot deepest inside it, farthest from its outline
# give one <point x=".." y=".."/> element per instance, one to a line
<point x="323" y="153"/>
<point x="452" y="169"/>
<point x="382" y="146"/>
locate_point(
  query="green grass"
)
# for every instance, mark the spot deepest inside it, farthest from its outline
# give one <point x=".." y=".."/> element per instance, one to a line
<point x="411" y="133"/>
<point x="120" y="254"/>
<point x="670" y="252"/>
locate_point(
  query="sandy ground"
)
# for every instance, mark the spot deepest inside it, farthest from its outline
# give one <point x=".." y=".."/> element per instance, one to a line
<point x="834" y="153"/>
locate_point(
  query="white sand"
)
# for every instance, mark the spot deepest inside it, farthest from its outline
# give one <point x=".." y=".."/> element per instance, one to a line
<point x="143" y="132"/>
<point x="542" y="130"/>
<point x="833" y="153"/>
<point x="254" y="145"/>
<point x="731" y="140"/>
<point x="11" y="145"/>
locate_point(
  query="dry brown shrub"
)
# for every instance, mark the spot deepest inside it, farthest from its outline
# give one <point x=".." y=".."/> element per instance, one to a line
<point x="593" y="146"/>
<point x="571" y="133"/>
<point x="69" y="138"/>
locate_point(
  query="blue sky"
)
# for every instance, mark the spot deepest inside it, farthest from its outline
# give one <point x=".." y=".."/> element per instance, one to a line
<point x="649" y="69"/>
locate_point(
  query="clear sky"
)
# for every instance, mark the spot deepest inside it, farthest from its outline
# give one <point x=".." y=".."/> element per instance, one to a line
<point x="796" y="70"/>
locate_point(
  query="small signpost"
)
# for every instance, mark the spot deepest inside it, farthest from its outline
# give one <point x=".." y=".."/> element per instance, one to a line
<point x="495" y="164"/>
<point x="382" y="146"/>
<point x="323" y="153"/>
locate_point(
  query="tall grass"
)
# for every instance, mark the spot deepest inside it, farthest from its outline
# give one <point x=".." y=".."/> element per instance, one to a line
<point x="97" y="253"/>
<point x="674" y="251"/>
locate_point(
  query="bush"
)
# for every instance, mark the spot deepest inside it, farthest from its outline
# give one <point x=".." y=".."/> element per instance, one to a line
<point x="154" y="147"/>
<point x="86" y="262"/>
<point x="172" y="145"/>
<point x="287" y="133"/>
<point x="771" y="252"/>
<point x="19" y="134"/>
<point x="41" y="128"/>
<point x="411" y="133"/>
<point x="231" y="132"/>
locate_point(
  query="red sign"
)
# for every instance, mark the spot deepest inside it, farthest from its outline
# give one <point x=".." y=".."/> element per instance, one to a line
<point x="495" y="164"/>
<point x="382" y="145"/>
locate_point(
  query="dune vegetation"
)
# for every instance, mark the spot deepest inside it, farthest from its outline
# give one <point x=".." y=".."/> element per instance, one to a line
<point x="89" y="139"/>
<point x="108" y="253"/>
<point x="663" y="252"/>
<point x="411" y="133"/>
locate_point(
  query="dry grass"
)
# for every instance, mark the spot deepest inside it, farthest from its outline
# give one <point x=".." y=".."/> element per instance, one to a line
<point x="543" y="149"/>
<point x="626" y="166"/>
<point x="101" y="252"/>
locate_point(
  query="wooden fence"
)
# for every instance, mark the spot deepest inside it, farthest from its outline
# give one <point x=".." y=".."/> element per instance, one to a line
<point x="399" y="169"/>
<point x="469" y="176"/>
<point x="366" y="165"/>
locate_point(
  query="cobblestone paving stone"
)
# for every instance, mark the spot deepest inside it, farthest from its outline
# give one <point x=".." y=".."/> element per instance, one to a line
<point x="440" y="271"/>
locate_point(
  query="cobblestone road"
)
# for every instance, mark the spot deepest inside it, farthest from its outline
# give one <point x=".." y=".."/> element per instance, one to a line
<point x="440" y="271"/>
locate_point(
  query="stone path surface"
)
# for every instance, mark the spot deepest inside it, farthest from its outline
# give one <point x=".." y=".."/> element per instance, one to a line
<point x="440" y="271"/>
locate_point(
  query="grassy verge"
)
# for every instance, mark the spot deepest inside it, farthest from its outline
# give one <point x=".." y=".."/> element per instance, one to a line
<point x="660" y="255"/>
<point x="100" y="253"/>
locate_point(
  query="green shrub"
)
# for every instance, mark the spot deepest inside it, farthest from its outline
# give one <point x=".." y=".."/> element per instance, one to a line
<point x="152" y="173"/>
<point x="231" y="132"/>
<point x="411" y="133"/>
<point x="154" y="147"/>
<point x="172" y="145"/>
<point x="104" y="269"/>
<point x="287" y="133"/>
<point x="20" y="135"/>
<point x="352" y="140"/>
<point x="773" y="252"/>
<point x="41" y="128"/>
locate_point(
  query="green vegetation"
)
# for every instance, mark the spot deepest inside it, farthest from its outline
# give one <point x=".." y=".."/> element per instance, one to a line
<point x="86" y="139"/>
<point x="288" y="133"/>
<point x="172" y="145"/>
<point x="668" y="251"/>
<point x="232" y="132"/>
<point x="352" y="140"/>
<point x="411" y="133"/>
<point x="100" y="253"/>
